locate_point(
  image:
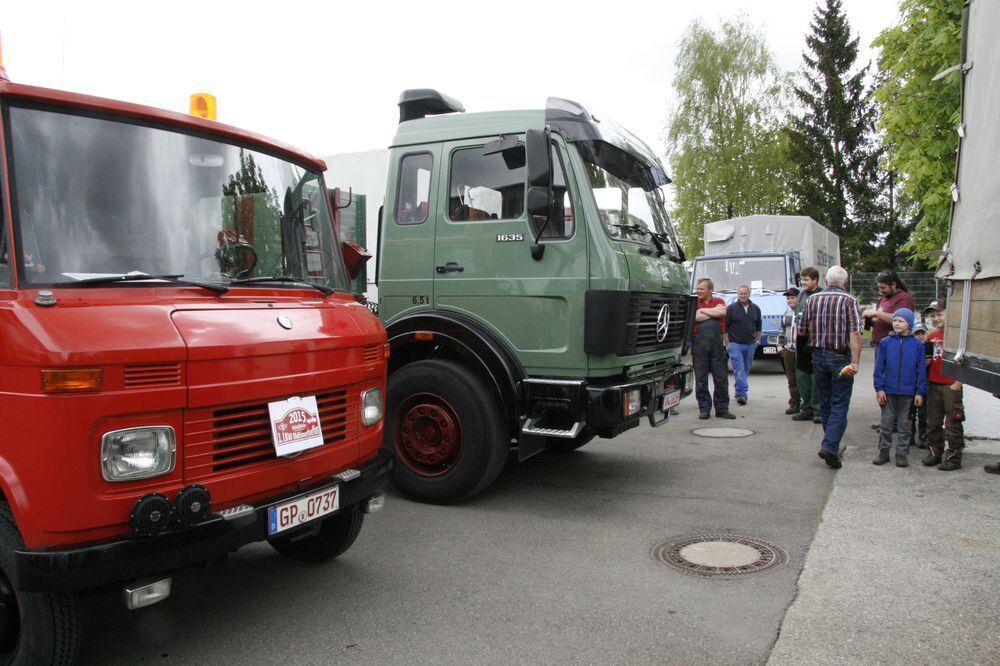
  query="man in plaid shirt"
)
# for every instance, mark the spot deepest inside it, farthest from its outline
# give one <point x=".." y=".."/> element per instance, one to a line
<point x="832" y="320"/>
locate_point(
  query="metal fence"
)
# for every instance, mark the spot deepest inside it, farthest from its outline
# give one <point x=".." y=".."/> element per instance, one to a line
<point x="922" y="284"/>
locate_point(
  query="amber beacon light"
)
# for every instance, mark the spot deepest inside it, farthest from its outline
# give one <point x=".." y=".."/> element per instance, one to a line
<point x="202" y="105"/>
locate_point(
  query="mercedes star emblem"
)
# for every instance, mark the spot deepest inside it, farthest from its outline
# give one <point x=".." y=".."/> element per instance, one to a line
<point x="286" y="323"/>
<point x="663" y="323"/>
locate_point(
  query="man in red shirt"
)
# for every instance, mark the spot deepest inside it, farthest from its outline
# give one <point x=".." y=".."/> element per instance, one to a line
<point x="895" y="295"/>
<point x="708" y="352"/>
<point x="945" y="412"/>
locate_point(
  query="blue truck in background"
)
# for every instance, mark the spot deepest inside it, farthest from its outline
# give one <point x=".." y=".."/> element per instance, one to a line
<point x="766" y="253"/>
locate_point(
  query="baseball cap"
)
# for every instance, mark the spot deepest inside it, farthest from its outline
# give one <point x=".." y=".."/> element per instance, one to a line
<point x="919" y="327"/>
<point x="935" y="306"/>
<point x="792" y="291"/>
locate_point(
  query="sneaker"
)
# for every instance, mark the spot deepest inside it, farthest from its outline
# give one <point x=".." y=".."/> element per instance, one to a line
<point x="703" y="415"/>
<point x="741" y="400"/>
<point x="725" y="415"/>
<point x="832" y="459"/>
<point x="992" y="468"/>
<point x="931" y="460"/>
<point x="901" y="461"/>
<point x="882" y="457"/>
<point x="792" y="410"/>
<point x="949" y="465"/>
<point x="803" y="415"/>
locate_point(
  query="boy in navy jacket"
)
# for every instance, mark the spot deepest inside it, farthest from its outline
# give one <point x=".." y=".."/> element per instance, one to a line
<point x="900" y="384"/>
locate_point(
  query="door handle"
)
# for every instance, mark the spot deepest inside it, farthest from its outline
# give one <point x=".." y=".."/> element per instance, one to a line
<point x="450" y="267"/>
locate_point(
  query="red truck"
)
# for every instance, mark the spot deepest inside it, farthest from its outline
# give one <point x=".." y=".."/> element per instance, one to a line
<point x="183" y="369"/>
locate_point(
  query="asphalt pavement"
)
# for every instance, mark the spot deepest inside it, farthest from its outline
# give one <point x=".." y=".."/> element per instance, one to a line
<point x="553" y="563"/>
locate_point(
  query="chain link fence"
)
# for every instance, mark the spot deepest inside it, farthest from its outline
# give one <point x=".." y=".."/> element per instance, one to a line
<point x="922" y="284"/>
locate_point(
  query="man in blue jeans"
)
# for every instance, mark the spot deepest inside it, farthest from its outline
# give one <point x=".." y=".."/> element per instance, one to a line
<point x="832" y="320"/>
<point x="743" y="326"/>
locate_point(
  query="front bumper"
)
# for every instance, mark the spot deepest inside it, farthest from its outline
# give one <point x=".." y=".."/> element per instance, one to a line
<point x="605" y="403"/>
<point x="95" y="565"/>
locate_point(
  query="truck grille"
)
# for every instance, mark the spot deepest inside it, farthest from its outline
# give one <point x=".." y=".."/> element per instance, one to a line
<point x="224" y="438"/>
<point x="644" y="309"/>
<point x="152" y="374"/>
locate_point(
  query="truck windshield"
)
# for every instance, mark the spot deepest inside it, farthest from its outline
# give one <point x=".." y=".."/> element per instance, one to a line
<point x="629" y="211"/>
<point x="98" y="198"/>
<point x="728" y="273"/>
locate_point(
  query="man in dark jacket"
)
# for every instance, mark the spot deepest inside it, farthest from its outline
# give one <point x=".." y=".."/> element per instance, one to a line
<point x="743" y="326"/>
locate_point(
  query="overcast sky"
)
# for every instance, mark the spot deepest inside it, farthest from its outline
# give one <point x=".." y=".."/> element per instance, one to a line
<point x="326" y="76"/>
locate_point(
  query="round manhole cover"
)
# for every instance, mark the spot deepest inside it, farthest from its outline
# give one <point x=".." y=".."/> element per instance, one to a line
<point x="722" y="432"/>
<point x="726" y="555"/>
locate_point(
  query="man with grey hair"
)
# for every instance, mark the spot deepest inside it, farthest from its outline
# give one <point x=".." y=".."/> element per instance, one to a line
<point x="832" y="320"/>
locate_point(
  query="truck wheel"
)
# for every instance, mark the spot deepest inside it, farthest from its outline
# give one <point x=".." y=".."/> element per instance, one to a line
<point x="336" y="534"/>
<point x="35" y="627"/>
<point x="564" y="445"/>
<point x="446" y="430"/>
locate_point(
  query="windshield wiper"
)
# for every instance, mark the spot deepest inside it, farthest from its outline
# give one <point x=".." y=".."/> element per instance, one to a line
<point x="290" y="279"/>
<point x="655" y="238"/>
<point x="136" y="277"/>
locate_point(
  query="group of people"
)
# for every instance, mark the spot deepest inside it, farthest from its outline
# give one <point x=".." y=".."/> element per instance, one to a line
<point x="820" y="347"/>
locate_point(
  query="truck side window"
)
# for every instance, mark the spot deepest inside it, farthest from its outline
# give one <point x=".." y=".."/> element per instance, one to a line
<point x="485" y="187"/>
<point x="561" y="224"/>
<point x="413" y="189"/>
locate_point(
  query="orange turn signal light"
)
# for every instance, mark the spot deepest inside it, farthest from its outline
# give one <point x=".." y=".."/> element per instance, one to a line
<point x="386" y="350"/>
<point x="423" y="335"/>
<point x="202" y="105"/>
<point x="72" y="381"/>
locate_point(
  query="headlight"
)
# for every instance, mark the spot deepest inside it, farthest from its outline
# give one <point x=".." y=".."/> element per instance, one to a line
<point x="371" y="406"/>
<point x="138" y="453"/>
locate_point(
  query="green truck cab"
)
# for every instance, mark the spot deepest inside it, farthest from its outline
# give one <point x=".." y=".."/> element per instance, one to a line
<point x="532" y="289"/>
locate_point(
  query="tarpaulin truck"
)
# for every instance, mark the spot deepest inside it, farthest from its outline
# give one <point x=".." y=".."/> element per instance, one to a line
<point x="766" y="253"/>
<point x="531" y="285"/>
<point x="183" y="369"/>
<point x="971" y="260"/>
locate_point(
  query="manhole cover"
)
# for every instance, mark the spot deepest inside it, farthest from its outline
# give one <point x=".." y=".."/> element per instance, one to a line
<point x="722" y="432"/>
<point x="727" y="555"/>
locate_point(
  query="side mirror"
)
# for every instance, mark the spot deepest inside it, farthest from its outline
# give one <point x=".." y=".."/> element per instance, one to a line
<point x="798" y="279"/>
<point x="354" y="256"/>
<point x="538" y="155"/>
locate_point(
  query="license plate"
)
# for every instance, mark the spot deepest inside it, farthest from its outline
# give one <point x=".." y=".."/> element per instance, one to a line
<point x="293" y="513"/>
<point x="770" y="350"/>
<point x="670" y="399"/>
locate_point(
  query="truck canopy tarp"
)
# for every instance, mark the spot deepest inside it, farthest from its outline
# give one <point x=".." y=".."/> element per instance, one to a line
<point x="819" y="246"/>
<point x="976" y="216"/>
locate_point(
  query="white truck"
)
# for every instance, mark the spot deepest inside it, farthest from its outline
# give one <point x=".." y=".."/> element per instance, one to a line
<point x="971" y="258"/>
<point x="766" y="253"/>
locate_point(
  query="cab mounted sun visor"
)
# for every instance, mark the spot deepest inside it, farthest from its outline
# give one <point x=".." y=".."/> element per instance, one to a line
<point x="605" y="143"/>
<point x="421" y="102"/>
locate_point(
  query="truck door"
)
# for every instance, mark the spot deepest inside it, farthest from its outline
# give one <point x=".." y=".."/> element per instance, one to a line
<point x="483" y="262"/>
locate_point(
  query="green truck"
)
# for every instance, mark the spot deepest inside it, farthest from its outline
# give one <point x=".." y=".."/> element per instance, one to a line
<point x="531" y="285"/>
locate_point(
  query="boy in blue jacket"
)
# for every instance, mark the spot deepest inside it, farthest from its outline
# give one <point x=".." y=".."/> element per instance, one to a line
<point x="900" y="384"/>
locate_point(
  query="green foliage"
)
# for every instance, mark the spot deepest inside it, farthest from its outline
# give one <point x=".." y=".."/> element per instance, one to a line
<point x="251" y="210"/>
<point x="833" y="141"/>
<point x="919" y="115"/>
<point x="728" y="155"/>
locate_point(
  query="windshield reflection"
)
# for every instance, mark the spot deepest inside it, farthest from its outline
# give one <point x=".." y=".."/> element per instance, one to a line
<point x="96" y="198"/>
<point x="730" y="272"/>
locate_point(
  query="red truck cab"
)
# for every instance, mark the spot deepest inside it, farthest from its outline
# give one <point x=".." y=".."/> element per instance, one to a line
<point x="183" y="369"/>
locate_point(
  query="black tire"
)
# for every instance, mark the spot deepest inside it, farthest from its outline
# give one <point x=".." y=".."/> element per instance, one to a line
<point x="446" y="430"/>
<point x="561" y="445"/>
<point x="336" y="534"/>
<point x="35" y="627"/>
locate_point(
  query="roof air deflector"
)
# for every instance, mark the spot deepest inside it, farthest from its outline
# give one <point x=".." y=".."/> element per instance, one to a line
<point x="420" y="102"/>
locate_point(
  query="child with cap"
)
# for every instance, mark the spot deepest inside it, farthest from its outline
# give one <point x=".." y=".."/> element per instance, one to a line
<point x="945" y="411"/>
<point x="900" y="383"/>
<point x="918" y="417"/>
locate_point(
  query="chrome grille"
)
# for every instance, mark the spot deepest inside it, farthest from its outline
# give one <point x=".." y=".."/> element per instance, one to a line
<point x="220" y="439"/>
<point x="644" y="309"/>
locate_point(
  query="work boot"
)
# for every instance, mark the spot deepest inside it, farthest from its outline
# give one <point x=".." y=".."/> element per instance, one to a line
<point x="922" y="443"/>
<point x="803" y="415"/>
<point x="725" y="415"/>
<point x="832" y="459"/>
<point x="882" y="457"/>
<point x="703" y="415"/>
<point x="931" y="459"/>
<point x="741" y="400"/>
<point x="792" y="410"/>
<point x="901" y="461"/>
<point x="950" y="465"/>
<point x="992" y="468"/>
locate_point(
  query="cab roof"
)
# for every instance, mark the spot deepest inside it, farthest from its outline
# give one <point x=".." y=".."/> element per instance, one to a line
<point x="457" y="126"/>
<point x="148" y="114"/>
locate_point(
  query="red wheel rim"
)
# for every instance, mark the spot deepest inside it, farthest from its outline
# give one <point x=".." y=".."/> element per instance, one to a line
<point x="427" y="434"/>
